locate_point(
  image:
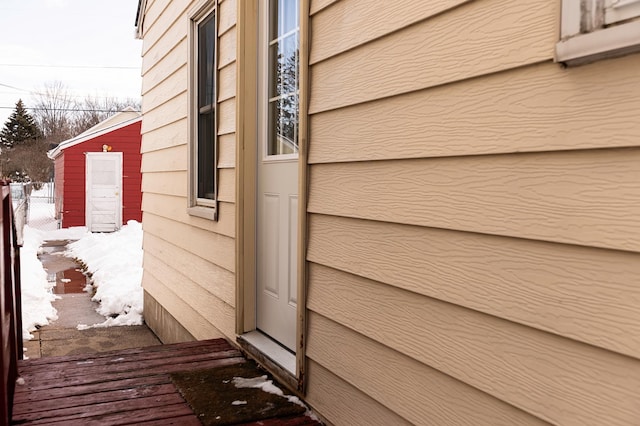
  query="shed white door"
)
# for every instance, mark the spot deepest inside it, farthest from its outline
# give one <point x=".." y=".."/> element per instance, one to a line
<point x="104" y="191"/>
<point x="277" y="173"/>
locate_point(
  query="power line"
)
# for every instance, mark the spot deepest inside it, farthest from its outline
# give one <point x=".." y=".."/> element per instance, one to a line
<point x="70" y="66"/>
<point x="34" y="92"/>
<point x="69" y="109"/>
<point x="79" y="96"/>
<point x="15" y="88"/>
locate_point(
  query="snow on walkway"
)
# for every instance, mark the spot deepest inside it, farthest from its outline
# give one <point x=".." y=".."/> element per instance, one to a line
<point x="114" y="260"/>
<point x="36" y="291"/>
<point x="115" y="263"/>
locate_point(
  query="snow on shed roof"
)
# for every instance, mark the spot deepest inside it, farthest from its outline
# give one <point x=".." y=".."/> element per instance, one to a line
<point x="117" y="121"/>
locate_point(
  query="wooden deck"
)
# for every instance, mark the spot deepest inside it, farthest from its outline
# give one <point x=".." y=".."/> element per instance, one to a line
<point x="121" y="387"/>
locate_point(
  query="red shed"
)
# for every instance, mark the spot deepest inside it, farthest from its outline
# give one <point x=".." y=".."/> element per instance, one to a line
<point x="97" y="175"/>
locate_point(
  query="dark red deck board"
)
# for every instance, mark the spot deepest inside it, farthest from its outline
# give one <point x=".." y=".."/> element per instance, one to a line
<point x="137" y="362"/>
<point x="99" y="409"/>
<point x="63" y="392"/>
<point x="130" y="417"/>
<point x="149" y="352"/>
<point x="117" y="387"/>
<point x="93" y="398"/>
<point x="101" y="376"/>
<point x="125" y="387"/>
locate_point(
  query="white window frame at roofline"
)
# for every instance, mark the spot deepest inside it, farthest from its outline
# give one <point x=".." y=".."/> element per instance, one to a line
<point x="597" y="29"/>
<point x="205" y="207"/>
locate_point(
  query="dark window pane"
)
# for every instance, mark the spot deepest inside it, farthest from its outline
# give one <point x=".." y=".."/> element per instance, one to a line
<point x="273" y="19"/>
<point x="274" y="70"/>
<point x="206" y="156"/>
<point x="206" y="58"/>
<point x="206" y="132"/>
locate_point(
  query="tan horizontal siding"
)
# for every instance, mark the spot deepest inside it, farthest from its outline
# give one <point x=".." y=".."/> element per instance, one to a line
<point x="153" y="10"/>
<point x="158" y="101"/>
<point x="228" y="15"/>
<point x="175" y="208"/>
<point x="318" y="5"/>
<point x="559" y="380"/>
<point x="536" y="108"/>
<point x="474" y="234"/>
<point x="193" y="240"/>
<point x="192" y="290"/>
<point x="583" y="197"/>
<point x="227" y="185"/>
<point x="171" y="299"/>
<point x="195" y="293"/>
<point x="159" y="63"/>
<point x="172" y="110"/>
<point x="341" y="403"/>
<point x="227" y="151"/>
<point x="173" y="134"/>
<point x="168" y="88"/>
<point x="166" y="160"/>
<point x="409" y="388"/>
<point x="170" y="27"/>
<point x="189" y="261"/>
<point x="578" y="292"/>
<point x="227" y="85"/>
<point x="175" y="183"/>
<point x="475" y="39"/>
<point x="168" y="183"/>
<point x="227" y="48"/>
<point x="355" y="22"/>
<point x="218" y="281"/>
<point x="227" y="116"/>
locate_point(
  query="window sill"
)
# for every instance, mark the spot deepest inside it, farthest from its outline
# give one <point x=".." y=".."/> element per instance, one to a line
<point x="600" y="44"/>
<point x="203" y="212"/>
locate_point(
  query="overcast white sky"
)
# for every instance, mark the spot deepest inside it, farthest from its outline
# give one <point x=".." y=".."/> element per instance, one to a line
<point x="88" y="45"/>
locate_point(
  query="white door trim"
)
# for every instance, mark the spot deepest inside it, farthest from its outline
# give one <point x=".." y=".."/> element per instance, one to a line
<point x="246" y="193"/>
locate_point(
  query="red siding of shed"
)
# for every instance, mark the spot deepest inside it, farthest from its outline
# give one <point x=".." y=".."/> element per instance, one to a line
<point x="73" y="168"/>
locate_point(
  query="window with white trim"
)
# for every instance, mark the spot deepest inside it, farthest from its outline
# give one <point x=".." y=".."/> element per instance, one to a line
<point x="203" y="114"/>
<point x="597" y="29"/>
<point x="283" y="40"/>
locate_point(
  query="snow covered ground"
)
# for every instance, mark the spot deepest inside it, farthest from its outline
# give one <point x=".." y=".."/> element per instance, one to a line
<point x="114" y="260"/>
<point x="115" y="263"/>
<point x="37" y="296"/>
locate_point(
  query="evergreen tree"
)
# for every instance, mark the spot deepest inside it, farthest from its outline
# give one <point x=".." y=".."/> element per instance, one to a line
<point x="20" y="127"/>
<point x="23" y="148"/>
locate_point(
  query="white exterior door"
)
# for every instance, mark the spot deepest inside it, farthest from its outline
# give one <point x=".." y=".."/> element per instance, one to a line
<point x="277" y="172"/>
<point x="104" y="191"/>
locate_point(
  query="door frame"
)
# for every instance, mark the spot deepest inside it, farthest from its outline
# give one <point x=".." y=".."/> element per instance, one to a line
<point x="246" y="190"/>
<point x="87" y="185"/>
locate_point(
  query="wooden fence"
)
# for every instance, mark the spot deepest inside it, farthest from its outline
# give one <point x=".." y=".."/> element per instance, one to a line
<point x="10" y="302"/>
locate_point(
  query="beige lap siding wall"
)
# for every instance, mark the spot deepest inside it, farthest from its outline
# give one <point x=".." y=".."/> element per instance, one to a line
<point x="473" y="213"/>
<point x="189" y="275"/>
<point x="474" y="219"/>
